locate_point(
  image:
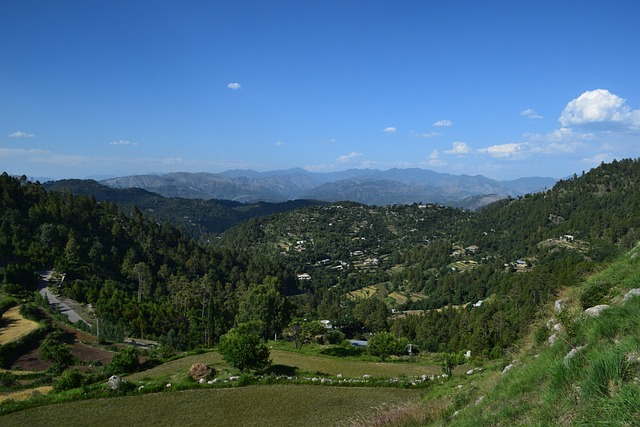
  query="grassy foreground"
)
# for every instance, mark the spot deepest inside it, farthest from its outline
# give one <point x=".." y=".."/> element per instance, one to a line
<point x="277" y="405"/>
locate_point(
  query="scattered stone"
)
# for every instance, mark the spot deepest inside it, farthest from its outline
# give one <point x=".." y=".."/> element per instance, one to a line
<point x="632" y="293"/>
<point x="571" y="354"/>
<point x="553" y="338"/>
<point x="202" y="381"/>
<point x="508" y="367"/>
<point x="114" y="382"/>
<point x="596" y="311"/>
<point x="479" y="400"/>
<point x="559" y="306"/>
<point x="168" y="385"/>
<point x="339" y="376"/>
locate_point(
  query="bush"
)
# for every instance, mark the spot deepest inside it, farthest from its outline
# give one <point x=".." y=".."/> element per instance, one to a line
<point x="335" y="336"/>
<point x="125" y="361"/>
<point x="7" y="380"/>
<point x="68" y="380"/>
<point x="385" y="344"/>
<point x="244" y="349"/>
<point x="594" y="294"/>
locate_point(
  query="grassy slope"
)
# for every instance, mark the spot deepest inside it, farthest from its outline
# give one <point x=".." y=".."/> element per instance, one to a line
<point x="598" y="386"/>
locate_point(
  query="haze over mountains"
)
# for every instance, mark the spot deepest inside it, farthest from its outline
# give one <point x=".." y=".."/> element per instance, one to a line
<point x="369" y="186"/>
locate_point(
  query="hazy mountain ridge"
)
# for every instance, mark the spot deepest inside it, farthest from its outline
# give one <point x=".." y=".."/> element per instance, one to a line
<point x="370" y="186"/>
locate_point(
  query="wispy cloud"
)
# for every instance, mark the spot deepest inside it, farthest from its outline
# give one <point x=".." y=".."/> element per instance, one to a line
<point x="20" y="134"/>
<point x="390" y="129"/>
<point x="427" y="135"/>
<point x="123" y="142"/>
<point x="503" y="150"/>
<point x="459" y="148"/>
<point x="347" y="158"/>
<point x="434" y="159"/>
<point x="280" y="144"/>
<point x="234" y="86"/>
<point x="530" y="114"/>
<point x="443" y="123"/>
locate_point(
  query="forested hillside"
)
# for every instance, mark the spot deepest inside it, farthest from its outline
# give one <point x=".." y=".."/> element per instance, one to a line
<point x="201" y="219"/>
<point x="446" y="279"/>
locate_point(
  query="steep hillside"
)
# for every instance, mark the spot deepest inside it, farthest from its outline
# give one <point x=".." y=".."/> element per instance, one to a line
<point x="199" y="218"/>
<point x="582" y="364"/>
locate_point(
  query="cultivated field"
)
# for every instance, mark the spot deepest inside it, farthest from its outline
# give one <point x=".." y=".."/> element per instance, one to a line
<point x="275" y="405"/>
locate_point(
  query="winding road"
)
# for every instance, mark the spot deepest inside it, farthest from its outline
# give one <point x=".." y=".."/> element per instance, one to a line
<point x="54" y="301"/>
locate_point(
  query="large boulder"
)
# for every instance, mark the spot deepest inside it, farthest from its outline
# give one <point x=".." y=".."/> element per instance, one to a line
<point x="114" y="382"/>
<point x="200" y="371"/>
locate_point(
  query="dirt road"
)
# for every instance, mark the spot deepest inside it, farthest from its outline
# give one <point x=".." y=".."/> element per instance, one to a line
<point x="55" y="302"/>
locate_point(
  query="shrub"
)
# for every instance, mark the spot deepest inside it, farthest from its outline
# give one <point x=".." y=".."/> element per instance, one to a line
<point x="125" y="361"/>
<point x="244" y="349"/>
<point x="68" y="380"/>
<point x="594" y="294"/>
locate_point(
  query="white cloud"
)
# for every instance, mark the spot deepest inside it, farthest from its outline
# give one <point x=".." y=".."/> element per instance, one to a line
<point x="348" y="157"/>
<point x="443" y="123"/>
<point x="503" y="150"/>
<point x="599" y="106"/>
<point x="434" y="159"/>
<point x="20" y="134"/>
<point x="459" y="148"/>
<point x="280" y="144"/>
<point x="597" y="159"/>
<point x="234" y="86"/>
<point x="390" y="129"/>
<point x="530" y="114"/>
<point x="123" y="142"/>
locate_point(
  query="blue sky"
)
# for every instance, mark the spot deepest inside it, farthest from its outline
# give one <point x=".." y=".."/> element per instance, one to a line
<point x="500" y="88"/>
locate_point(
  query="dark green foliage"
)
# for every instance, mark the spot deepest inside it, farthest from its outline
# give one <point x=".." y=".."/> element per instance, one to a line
<point x="302" y="331"/>
<point x="7" y="380"/>
<point x="244" y="349"/>
<point x="385" y="344"/>
<point x="54" y="349"/>
<point x="450" y="361"/>
<point x="125" y="361"/>
<point x="68" y="380"/>
<point x="594" y="294"/>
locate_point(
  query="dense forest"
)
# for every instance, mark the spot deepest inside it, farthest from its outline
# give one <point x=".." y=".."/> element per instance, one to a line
<point x="445" y="278"/>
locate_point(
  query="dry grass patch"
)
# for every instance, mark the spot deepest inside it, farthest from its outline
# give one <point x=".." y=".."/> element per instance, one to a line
<point x="362" y="293"/>
<point x="13" y="326"/>
<point x="21" y="395"/>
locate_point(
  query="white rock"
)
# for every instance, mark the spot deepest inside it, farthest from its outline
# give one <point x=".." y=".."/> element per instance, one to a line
<point x="202" y="381"/>
<point x="596" y="310"/>
<point x="570" y="355"/>
<point x="114" y="382"/>
<point x="559" y="306"/>
<point x="632" y="293"/>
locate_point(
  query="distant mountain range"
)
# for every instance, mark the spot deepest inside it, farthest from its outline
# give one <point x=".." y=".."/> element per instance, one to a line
<point x="369" y="186"/>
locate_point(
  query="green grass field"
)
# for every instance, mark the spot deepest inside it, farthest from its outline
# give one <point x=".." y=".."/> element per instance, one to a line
<point x="290" y="360"/>
<point x="275" y="405"/>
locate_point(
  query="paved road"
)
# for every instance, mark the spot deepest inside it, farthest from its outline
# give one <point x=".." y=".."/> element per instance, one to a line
<point x="54" y="302"/>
